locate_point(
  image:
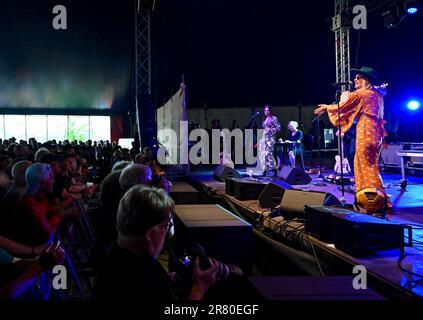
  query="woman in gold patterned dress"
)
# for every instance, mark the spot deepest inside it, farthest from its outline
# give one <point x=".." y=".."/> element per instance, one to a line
<point x="366" y="105"/>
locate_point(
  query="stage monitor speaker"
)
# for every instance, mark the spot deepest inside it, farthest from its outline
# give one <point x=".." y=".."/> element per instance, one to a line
<point x="245" y="189"/>
<point x="319" y="221"/>
<point x="294" y="201"/>
<point x="294" y="176"/>
<point x="361" y="235"/>
<point x="222" y="172"/>
<point x="272" y="194"/>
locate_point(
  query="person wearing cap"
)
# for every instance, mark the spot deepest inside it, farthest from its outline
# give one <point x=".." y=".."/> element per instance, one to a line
<point x="37" y="219"/>
<point x="365" y="105"/>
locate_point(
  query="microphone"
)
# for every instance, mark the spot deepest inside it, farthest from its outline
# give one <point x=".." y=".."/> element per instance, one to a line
<point x="255" y="115"/>
<point x="346" y="83"/>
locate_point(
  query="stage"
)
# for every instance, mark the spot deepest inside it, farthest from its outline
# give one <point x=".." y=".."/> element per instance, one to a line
<point x="314" y="257"/>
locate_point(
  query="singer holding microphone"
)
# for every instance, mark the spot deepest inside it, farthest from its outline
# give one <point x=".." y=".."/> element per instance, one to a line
<point x="365" y="105"/>
<point x="271" y="127"/>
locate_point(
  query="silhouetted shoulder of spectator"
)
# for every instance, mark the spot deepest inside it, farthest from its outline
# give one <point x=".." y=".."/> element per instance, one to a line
<point x="111" y="191"/>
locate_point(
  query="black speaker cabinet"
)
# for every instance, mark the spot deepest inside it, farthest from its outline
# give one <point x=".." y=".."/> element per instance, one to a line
<point x="223" y="235"/>
<point x="272" y="194"/>
<point x="294" y="176"/>
<point x="294" y="200"/>
<point x="222" y="172"/>
<point x="248" y="189"/>
<point x="319" y="222"/>
<point x="361" y="235"/>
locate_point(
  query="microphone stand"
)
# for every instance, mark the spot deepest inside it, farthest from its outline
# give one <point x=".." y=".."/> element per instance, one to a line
<point x="340" y="153"/>
<point x="251" y="126"/>
<point x="318" y="145"/>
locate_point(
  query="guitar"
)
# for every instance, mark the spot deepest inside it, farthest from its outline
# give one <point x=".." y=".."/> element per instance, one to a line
<point x="346" y="168"/>
<point x="345" y="165"/>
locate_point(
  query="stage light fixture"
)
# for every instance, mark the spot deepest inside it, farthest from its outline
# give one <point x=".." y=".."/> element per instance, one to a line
<point x="411" y="6"/>
<point x="413" y="105"/>
<point x="393" y="17"/>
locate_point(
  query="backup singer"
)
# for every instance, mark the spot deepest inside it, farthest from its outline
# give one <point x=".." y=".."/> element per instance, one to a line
<point x="271" y="127"/>
<point x="366" y="105"/>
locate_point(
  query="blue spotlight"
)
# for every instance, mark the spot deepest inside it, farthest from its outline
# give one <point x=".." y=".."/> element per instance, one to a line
<point x="413" y="105"/>
<point x="411" y="6"/>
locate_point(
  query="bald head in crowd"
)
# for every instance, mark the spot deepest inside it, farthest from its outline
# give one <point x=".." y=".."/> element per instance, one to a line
<point x="135" y="174"/>
<point x="18" y="173"/>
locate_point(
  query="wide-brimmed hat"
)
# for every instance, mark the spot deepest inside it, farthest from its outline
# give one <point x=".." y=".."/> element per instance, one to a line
<point x="367" y="72"/>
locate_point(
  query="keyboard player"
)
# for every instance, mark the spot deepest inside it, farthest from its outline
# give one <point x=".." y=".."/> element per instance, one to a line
<point x="293" y="142"/>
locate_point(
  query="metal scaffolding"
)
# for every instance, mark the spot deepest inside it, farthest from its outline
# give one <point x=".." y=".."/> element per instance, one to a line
<point x="143" y="49"/>
<point x="342" y="40"/>
<point x="144" y="106"/>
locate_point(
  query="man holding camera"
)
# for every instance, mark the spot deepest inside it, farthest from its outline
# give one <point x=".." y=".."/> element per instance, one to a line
<point x="132" y="271"/>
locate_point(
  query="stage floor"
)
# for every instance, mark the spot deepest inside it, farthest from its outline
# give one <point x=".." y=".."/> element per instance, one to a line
<point x="408" y="209"/>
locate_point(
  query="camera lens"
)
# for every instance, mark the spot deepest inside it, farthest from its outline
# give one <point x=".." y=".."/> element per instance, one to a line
<point x="226" y="269"/>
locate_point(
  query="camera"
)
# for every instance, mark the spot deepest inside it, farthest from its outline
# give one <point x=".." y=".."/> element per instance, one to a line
<point x="185" y="265"/>
<point x="225" y="270"/>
